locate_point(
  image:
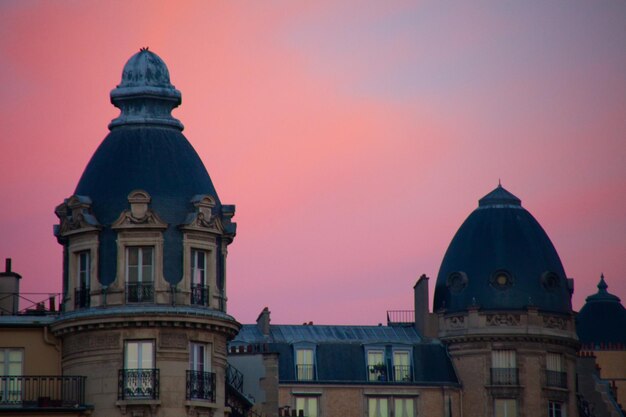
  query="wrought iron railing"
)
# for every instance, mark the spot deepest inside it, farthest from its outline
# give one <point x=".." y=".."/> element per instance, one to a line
<point x="138" y="384"/>
<point x="199" y="294"/>
<point x="504" y="376"/>
<point x="556" y="379"/>
<point x="234" y="378"/>
<point x="402" y="373"/>
<point x="200" y="386"/>
<point x="377" y="373"/>
<point x="139" y="292"/>
<point x="81" y="298"/>
<point x="400" y="317"/>
<point x="12" y="303"/>
<point x="42" y="391"/>
<point x="305" y="372"/>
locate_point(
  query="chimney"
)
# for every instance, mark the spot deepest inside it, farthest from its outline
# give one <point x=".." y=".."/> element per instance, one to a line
<point x="7" y="265"/>
<point x="9" y="289"/>
<point x="422" y="308"/>
<point x="263" y="322"/>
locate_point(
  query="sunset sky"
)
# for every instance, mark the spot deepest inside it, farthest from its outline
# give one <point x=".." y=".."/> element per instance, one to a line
<point x="353" y="137"/>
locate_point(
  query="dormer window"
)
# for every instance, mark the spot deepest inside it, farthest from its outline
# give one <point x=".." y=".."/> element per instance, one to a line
<point x="305" y="366"/>
<point x="199" y="287"/>
<point x="83" y="274"/>
<point x="401" y="366"/>
<point x="376" y="368"/>
<point x="139" y="274"/>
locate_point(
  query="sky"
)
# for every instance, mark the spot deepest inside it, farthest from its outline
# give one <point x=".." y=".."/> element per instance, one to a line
<point x="354" y="137"/>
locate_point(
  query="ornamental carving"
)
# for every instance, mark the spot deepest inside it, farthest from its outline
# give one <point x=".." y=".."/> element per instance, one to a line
<point x="503" y="319"/>
<point x="456" y="322"/>
<point x="139" y="215"/>
<point x="75" y="215"/>
<point x="202" y="217"/>
<point x="555" y="322"/>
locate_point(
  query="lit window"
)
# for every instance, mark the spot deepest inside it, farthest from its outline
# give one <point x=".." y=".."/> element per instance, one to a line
<point x="199" y="293"/>
<point x="556" y="409"/>
<point x="376" y="368"/>
<point x="305" y="370"/>
<point x="377" y="407"/>
<point x="404" y="407"/>
<point x="140" y="273"/>
<point x="506" y="408"/>
<point x="503" y="368"/>
<point x="11" y="363"/>
<point x="401" y="366"/>
<point x="309" y="406"/>
<point x="139" y="375"/>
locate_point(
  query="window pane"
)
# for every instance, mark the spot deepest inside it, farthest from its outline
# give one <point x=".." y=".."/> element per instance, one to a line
<point x="147" y="256"/>
<point x="503" y="359"/>
<point x="132" y="355"/>
<point x="147" y="355"/>
<point x="133" y="256"/>
<point x="377" y="407"/>
<point x="403" y="407"/>
<point x="553" y="362"/>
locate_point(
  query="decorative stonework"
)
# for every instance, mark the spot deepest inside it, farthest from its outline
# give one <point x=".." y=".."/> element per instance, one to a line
<point x="202" y="217"/>
<point x="173" y="340"/>
<point x="139" y="215"/>
<point x="456" y="322"/>
<point x="75" y="216"/>
<point x="82" y="343"/>
<point x="555" y="322"/>
<point x="503" y="320"/>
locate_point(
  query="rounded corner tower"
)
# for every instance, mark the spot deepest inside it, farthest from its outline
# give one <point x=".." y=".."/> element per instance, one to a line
<point x="145" y="240"/>
<point x="504" y="311"/>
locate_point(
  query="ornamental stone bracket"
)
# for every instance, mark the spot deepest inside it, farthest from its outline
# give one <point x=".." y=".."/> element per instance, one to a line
<point x="75" y="216"/>
<point x="138" y="408"/>
<point x="140" y="215"/>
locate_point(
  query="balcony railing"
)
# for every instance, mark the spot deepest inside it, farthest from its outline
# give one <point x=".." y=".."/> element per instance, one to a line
<point x="139" y="292"/>
<point x="201" y="386"/>
<point x="305" y="372"/>
<point x="138" y="384"/>
<point x="556" y="379"/>
<point x="81" y="298"/>
<point x="42" y="391"/>
<point x="402" y="373"/>
<point x="199" y="295"/>
<point x="400" y="317"/>
<point x="504" y="376"/>
<point x="234" y="377"/>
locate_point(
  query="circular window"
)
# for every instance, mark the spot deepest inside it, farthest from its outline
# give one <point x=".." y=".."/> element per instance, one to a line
<point x="457" y="281"/>
<point x="549" y="280"/>
<point x="501" y="279"/>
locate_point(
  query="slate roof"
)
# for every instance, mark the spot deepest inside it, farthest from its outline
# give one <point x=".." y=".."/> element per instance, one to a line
<point x="602" y="320"/>
<point x="500" y="235"/>
<point x="340" y="352"/>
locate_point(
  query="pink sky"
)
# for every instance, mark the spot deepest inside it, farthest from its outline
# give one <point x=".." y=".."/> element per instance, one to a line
<point x="354" y="138"/>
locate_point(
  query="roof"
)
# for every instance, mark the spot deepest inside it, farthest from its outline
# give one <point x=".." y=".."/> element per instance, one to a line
<point x="501" y="259"/>
<point x="602" y="320"/>
<point x="340" y="352"/>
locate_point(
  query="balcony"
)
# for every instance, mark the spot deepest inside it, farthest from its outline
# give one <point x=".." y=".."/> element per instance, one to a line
<point x="402" y="373"/>
<point x="138" y="384"/>
<point x="42" y="392"/>
<point x="305" y="372"/>
<point x="201" y="386"/>
<point x="377" y="373"/>
<point x="81" y="298"/>
<point x="199" y="295"/>
<point x="504" y="376"/>
<point x="139" y="292"/>
<point x="556" y="379"/>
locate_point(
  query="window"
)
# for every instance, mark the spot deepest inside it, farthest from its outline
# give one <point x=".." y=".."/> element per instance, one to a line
<point x="199" y="289"/>
<point x="401" y="366"/>
<point x="404" y="407"/>
<point x="309" y="406"/>
<point x="555" y="373"/>
<point x="305" y="370"/>
<point x="81" y="294"/>
<point x="200" y="380"/>
<point x="11" y="363"/>
<point x="505" y="408"/>
<point x="140" y="273"/>
<point x="377" y="407"/>
<point x="139" y="378"/>
<point x="376" y="368"/>
<point x="503" y="368"/>
<point x="555" y="409"/>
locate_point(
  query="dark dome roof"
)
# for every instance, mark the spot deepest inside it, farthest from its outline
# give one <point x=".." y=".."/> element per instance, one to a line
<point x="501" y="259"/>
<point x="602" y="320"/>
<point x="150" y="153"/>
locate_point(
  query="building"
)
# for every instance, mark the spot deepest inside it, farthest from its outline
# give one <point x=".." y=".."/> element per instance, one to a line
<point x="141" y="327"/>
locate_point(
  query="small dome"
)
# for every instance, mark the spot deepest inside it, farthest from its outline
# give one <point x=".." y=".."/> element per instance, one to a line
<point x="145" y="96"/>
<point x="501" y="259"/>
<point x="602" y="320"/>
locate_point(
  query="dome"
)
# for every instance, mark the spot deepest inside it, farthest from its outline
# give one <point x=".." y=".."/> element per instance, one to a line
<point x="149" y="153"/>
<point x="501" y="259"/>
<point x="602" y="320"/>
